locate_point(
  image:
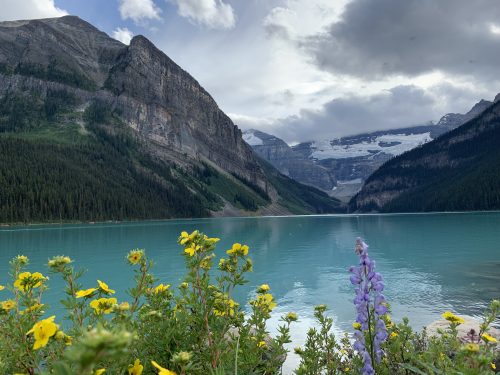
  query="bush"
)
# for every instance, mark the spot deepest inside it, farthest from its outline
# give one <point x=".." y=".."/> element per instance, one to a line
<point x="197" y="328"/>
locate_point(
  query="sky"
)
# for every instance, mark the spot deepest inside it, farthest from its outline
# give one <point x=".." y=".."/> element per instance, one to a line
<point x="313" y="69"/>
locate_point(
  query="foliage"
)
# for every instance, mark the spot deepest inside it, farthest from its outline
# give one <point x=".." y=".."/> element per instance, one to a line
<point x="197" y="328"/>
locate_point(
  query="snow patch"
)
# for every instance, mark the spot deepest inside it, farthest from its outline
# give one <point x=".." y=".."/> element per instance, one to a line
<point x="252" y="139"/>
<point x="393" y="144"/>
<point x="350" y="182"/>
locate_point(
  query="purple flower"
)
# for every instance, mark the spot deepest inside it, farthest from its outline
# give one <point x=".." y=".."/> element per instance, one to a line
<point x="370" y="306"/>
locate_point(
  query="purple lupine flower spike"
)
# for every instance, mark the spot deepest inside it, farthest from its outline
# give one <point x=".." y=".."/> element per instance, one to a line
<point x="370" y="306"/>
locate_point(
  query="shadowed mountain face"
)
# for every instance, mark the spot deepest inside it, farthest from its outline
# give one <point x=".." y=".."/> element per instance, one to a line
<point x="63" y="80"/>
<point x="288" y="161"/>
<point x="457" y="171"/>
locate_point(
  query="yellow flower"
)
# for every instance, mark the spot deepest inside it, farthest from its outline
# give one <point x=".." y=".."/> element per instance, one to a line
<point x="35" y="307"/>
<point x="58" y="261"/>
<point x="265" y="301"/>
<point x="161" y="288"/>
<point x="135" y="256"/>
<point x="43" y="331"/>
<point x="472" y="347"/>
<point x="292" y="317"/>
<point x="356" y="325"/>
<point x="493" y="366"/>
<point x="224" y="305"/>
<point x="190" y="251"/>
<point x="161" y="370"/>
<point x="104" y="287"/>
<point x="263" y="288"/>
<point x="61" y="336"/>
<point x="100" y="371"/>
<point x="28" y="280"/>
<point x="8" y="305"/>
<point x="2" y="287"/>
<point x="212" y="240"/>
<point x="394" y="335"/>
<point x="261" y="344"/>
<point x="22" y="259"/>
<point x="234" y="249"/>
<point x="85" y="293"/>
<point x="103" y="305"/>
<point x="488" y="338"/>
<point x="184" y="238"/>
<point x="124" y="306"/>
<point x="136" y="368"/>
<point x="184" y="285"/>
<point x="347" y="369"/>
<point x="244" y="249"/>
<point x="452" y="318"/>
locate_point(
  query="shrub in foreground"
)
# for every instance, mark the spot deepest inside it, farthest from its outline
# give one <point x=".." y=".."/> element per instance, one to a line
<point x="198" y="328"/>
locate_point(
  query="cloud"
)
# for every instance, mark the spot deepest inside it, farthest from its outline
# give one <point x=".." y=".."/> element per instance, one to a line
<point x="400" y="106"/>
<point x="139" y="10"/>
<point x="124" y="35"/>
<point x="374" y="39"/>
<point x="214" y="14"/>
<point x="29" y="9"/>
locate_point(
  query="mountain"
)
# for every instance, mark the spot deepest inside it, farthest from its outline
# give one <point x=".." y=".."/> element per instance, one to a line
<point x="92" y="129"/>
<point x="454" y="120"/>
<point x="287" y="161"/>
<point x="342" y="165"/>
<point x="457" y="171"/>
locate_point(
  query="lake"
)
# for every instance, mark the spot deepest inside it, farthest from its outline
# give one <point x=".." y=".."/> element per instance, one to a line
<point x="430" y="262"/>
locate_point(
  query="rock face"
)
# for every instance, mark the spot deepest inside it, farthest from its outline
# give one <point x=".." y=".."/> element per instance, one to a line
<point x="63" y="77"/>
<point x="158" y="99"/>
<point x="288" y="161"/>
<point x="457" y="171"/>
<point x="454" y="120"/>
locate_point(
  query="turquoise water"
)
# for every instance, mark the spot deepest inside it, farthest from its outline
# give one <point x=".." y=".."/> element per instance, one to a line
<point x="430" y="262"/>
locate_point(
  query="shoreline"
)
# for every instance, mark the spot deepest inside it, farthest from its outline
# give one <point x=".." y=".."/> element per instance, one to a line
<point x="131" y="221"/>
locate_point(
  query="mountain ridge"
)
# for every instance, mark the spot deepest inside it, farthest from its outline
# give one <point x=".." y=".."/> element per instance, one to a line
<point x="457" y="171"/>
<point x="62" y="77"/>
<point x="348" y="161"/>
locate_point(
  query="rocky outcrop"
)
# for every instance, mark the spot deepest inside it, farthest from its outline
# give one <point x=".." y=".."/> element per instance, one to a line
<point x="153" y="95"/>
<point x="289" y="162"/>
<point x="454" y="120"/>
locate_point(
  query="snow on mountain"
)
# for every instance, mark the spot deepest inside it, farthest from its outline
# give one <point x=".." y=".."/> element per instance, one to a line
<point x="250" y="138"/>
<point x="391" y="144"/>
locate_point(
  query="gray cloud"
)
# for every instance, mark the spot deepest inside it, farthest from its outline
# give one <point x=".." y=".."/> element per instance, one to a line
<point x="398" y="107"/>
<point x="374" y="39"/>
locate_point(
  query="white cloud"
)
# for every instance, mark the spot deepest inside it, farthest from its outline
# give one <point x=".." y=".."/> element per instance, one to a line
<point x="124" y="35"/>
<point x="299" y="18"/>
<point x="139" y="10"/>
<point x="29" y="9"/>
<point x="214" y="14"/>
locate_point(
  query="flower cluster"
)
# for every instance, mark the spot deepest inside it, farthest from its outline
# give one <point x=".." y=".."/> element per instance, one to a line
<point x="371" y="306"/>
<point x="198" y="328"/>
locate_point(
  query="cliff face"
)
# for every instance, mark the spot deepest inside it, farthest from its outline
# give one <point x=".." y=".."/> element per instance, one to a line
<point x="289" y="162"/>
<point x="123" y="121"/>
<point x="154" y="96"/>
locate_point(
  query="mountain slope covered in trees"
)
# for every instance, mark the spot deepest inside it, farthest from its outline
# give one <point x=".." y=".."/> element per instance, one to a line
<point x="457" y="171"/>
